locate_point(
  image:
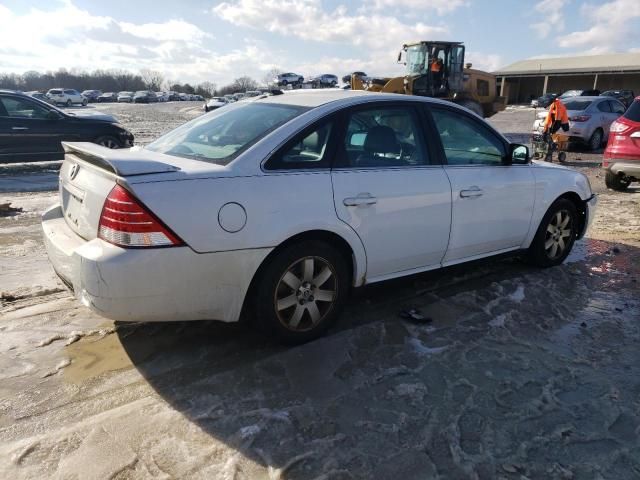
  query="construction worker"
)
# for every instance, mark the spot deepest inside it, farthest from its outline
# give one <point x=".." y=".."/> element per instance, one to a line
<point x="436" y="72"/>
<point x="557" y="118"/>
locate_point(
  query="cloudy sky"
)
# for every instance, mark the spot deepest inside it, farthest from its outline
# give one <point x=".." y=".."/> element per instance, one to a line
<point x="197" y="40"/>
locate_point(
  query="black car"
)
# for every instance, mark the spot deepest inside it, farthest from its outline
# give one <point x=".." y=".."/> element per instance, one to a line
<point x="92" y="95"/>
<point x="31" y="130"/>
<point x="347" y="78"/>
<point x="108" y="97"/>
<point x="145" y="96"/>
<point x="624" y="96"/>
<point x="544" y="101"/>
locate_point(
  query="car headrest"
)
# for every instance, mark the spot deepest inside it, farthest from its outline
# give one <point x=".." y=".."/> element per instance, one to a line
<point x="381" y="139"/>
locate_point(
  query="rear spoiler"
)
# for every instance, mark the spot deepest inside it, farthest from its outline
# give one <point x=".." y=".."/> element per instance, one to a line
<point x="120" y="162"/>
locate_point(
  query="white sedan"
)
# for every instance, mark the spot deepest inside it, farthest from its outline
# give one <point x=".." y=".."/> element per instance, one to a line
<point x="279" y="207"/>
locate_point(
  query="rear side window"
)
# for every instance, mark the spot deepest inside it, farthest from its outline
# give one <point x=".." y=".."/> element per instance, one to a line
<point x="308" y="150"/>
<point x="70" y="92"/>
<point x="633" y="112"/>
<point x="604" y="107"/>
<point x="577" y="105"/>
<point x="383" y="137"/>
<point x="55" y="92"/>
<point x="617" y="107"/>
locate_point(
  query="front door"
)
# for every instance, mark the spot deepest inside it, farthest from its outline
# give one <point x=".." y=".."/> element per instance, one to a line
<point x="32" y="135"/>
<point x="388" y="191"/>
<point x="492" y="203"/>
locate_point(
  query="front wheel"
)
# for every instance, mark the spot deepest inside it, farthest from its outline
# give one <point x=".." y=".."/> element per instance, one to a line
<point x="84" y="102"/>
<point x="616" y="182"/>
<point x="555" y="236"/>
<point x="69" y="103"/>
<point x="108" y="141"/>
<point x="301" y="292"/>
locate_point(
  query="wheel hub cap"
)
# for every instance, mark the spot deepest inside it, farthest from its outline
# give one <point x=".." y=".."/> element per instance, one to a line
<point x="558" y="234"/>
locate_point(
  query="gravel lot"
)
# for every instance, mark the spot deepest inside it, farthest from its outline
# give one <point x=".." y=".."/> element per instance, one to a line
<point x="522" y="374"/>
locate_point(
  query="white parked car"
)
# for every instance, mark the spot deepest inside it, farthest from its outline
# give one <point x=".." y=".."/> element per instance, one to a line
<point x="280" y="206"/>
<point x="125" y="97"/>
<point x="66" y="96"/>
<point x="162" y="96"/>
<point x="214" y="103"/>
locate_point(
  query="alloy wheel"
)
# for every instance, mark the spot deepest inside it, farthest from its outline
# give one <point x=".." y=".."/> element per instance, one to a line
<point x="558" y="234"/>
<point x="109" y="143"/>
<point x="596" y="140"/>
<point x="305" y="294"/>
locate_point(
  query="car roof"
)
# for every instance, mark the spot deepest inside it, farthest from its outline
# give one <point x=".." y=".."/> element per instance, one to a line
<point x="315" y="98"/>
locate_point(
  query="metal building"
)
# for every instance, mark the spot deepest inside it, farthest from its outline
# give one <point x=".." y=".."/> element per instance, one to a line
<point x="527" y="79"/>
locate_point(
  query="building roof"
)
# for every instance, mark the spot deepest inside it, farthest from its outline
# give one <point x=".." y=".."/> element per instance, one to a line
<point x="611" y="63"/>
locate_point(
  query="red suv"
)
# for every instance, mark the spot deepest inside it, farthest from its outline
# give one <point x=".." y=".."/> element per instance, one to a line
<point x="622" y="155"/>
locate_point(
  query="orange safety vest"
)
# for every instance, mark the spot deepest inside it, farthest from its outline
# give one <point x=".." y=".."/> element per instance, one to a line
<point x="557" y="112"/>
<point x="435" y="66"/>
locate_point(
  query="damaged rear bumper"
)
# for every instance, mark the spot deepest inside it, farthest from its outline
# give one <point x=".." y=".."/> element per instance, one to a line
<point x="149" y="285"/>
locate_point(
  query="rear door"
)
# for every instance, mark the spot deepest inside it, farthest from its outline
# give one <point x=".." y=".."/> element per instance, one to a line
<point x="492" y="202"/>
<point x="388" y="190"/>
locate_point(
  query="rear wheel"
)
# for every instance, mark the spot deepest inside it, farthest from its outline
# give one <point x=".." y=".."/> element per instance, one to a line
<point x="556" y="234"/>
<point x="69" y="103"/>
<point x="595" y="142"/>
<point x="108" y="141"/>
<point x="84" y="102"/>
<point x="301" y="292"/>
<point x="616" y="182"/>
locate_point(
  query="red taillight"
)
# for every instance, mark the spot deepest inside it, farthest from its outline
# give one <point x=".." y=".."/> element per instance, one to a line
<point x="580" y="118"/>
<point x="619" y="127"/>
<point x="126" y="222"/>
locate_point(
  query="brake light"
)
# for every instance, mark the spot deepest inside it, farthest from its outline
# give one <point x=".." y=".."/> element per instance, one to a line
<point x="580" y="118"/>
<point x="126" y="222"/>
<point x="619" y="127"/>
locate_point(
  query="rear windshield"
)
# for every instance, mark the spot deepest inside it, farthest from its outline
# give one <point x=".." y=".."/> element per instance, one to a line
<point x="55" y="92"/>
<point x="577" y="105"/>
<point x="219" y="137"/>
<point x="633" y="112"/>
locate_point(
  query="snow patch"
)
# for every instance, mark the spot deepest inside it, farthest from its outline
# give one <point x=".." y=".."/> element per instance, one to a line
<point x="518" y="295"/>
<point x="498" y="321"/>
<point x="421" y="349"/>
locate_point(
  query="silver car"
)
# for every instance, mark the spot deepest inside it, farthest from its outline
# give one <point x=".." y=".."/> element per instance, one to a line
<point x="324" y="80"/>
<point x="589" y="119"/>
<point x="285" y="79"/>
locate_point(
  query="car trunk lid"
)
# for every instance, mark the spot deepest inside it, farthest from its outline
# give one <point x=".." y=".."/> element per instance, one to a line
<point x="89" y="173"/>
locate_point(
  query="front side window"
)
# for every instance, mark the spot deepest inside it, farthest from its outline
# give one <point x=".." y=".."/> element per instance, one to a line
<point x="20" y="108"/>
<point x="220" y="136"/>
<point x="466" y="141"/>
<point x="307" y="150"/>
<point x="383" y="137"/>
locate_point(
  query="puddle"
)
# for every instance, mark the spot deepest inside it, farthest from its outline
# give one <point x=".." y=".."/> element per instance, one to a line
<point x="91" y="357"/>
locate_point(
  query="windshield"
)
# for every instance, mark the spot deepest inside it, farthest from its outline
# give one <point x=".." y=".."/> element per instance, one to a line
<point x="416" y="57"/>
<point x="577" y="105"/>
<point x="219" y="137"/>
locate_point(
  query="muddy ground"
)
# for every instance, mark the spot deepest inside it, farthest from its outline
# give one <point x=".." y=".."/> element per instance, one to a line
<point x="522" y="373"/>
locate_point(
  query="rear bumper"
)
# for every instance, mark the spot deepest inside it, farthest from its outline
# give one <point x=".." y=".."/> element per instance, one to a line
<point x="150" y="285"/>
<point x="624" y="167"/>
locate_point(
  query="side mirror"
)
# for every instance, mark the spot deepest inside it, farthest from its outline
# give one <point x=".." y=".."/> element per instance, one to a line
<point x="53" y="115"/>
<point x="357" y="139"/>
<point x="519" y="154"/>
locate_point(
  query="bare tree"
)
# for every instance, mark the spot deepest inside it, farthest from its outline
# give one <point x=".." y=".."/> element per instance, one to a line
<point x="153" y="79"/>
<point x="242" y="84"/>
<point x="269" y="77"/>
<point x="207" y="88"/>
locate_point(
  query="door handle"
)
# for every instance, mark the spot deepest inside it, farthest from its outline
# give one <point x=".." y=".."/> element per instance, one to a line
<point x="361" y="199"/>
<point x="20" y="128"/>
<point x="471" y="192"/>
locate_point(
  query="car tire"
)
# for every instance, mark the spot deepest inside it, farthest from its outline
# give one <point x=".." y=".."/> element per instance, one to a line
<point x="84" y="102"/>
<point x="473" y="106"/>
<point x="616" y="182"/>
<point x="562" y="157"/>
<point x="69" y="103"/>
<point x="555" y="236"/>
<point x="287" y="293"/>
<point x="108" y="141"/>
<point x="595" y="142"/>
<point x="284" y="83"/>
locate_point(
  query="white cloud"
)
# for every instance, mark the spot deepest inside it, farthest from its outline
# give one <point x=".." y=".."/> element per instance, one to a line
<point x="552" y="17"/>
<point x="66" y="36"/>
<point x="611" y="28"/>
<point x="441" y="7"/>
<point x="307" y="20"/>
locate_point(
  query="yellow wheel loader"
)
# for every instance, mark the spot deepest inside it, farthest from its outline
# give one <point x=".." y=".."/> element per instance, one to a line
<point x="437" y="69"/>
